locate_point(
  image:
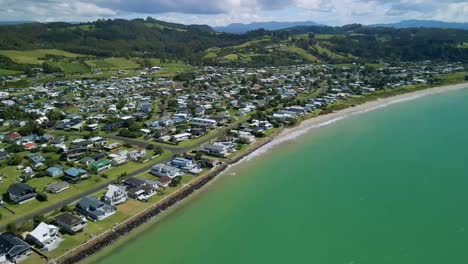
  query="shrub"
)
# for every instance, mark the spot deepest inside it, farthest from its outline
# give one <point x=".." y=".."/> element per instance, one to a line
<point x="42" y="197"/>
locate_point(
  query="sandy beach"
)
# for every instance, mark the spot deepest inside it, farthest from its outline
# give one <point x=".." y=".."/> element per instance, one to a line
<point x="314" y="123"/>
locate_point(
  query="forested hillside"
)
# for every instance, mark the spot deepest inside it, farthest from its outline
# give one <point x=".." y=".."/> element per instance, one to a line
<point x="198" y="44"/>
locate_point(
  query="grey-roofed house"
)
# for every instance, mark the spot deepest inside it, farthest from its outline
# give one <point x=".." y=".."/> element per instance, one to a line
<point x="13" y="249"/>
<point x="70" y="223"/>
<point x="94" y="209"/>
<point x="57" y="187"/>
<point x="21" y="193"/>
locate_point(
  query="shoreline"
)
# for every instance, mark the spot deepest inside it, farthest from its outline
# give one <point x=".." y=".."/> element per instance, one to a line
<point x="144" y="217"/>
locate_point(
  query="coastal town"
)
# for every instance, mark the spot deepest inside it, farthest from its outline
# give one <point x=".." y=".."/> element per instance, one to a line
<point x="81" y="156"/>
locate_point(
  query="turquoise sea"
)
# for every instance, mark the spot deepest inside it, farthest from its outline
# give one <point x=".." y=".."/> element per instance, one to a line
<point x="387" y="186"/>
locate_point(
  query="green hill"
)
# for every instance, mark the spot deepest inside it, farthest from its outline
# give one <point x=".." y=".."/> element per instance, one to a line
<point x="72" y="47"/>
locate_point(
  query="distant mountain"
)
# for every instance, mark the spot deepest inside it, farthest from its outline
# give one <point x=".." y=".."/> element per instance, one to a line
<point x="12" y="23"/>
<point x="239" y="28"/>
<point x="424" y="24"/>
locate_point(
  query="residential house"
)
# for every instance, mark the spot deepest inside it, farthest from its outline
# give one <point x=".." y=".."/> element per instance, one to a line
<point x="137" y="154"/>
<point x="218" y="150"/>
<point x="46" y="237"/>
<point x="55" y="171"/>
<point x="94" y="208"/>
<point x="11" y="137"/>
<point x="204" y="122"/>
<point x="118" y="160"/>
<point x="13" y="249"/>
<point x="163" y="181"/>
<point x="180" y="137"/>
<point x="113" y="147"/>
<point x="57" y="187"/>
<point x="101" y="165"/>
<point x="165" y="170"/>
<point x="115" y="195"/>
<point x="186" y="165"/>
<point x="139" y="189"/>
<point x="36" y="159"/>
<point x="70" y="223"/>
<point x="75" y="174"/>
<point x="4" y="155"/>
<point x="21" y="193"/>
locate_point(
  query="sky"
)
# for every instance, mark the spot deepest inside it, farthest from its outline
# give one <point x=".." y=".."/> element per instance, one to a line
<point x="223" y="12"/>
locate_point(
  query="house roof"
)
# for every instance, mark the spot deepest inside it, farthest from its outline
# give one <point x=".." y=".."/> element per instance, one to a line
<point x="134" y="182"/>
<point x="56" y="186"/>
<point x="68" y="219"/>
<point x="19" y="189"/>
<point x="75" y="172"/>
<point x="94" y="206"/>
<point x="113" y="189"/>
<point x="11" y="245"/>
<point x="100" y="163"/>
<point x="42" y="232"/>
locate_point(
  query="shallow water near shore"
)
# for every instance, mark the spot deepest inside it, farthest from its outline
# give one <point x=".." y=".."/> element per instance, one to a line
<point x="387" y="186"/>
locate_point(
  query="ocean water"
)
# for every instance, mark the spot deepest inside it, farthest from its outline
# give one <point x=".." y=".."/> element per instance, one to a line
<point x="387" y="186"/>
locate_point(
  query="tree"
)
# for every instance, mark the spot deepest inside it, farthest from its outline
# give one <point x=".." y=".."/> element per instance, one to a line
<point x="199" y="155"/>
<point x="11" y="228"/>
<point x="158" y="150"/>
<point x="42" y="197"/>
<point x="176" y="181"/>
<point x="15" y="161"/>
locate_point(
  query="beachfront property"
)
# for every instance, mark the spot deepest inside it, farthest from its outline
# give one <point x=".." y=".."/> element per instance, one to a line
<point x="115" y="195"/>
<point x="139" y="189"/>
<point x="44" y="236"/>
<point x="94" y="209"/>
<point x="163" y="181"/>
<point x="70" y="223"/>
<point x="13" y="249"/>
<point x="185" y="165"/>
<point x="20" y="193"/>
<point x="218" y="150"/>
<point x="165" y="170"/>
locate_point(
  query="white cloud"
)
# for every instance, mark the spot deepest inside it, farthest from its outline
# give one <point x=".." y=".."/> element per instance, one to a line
<point x="220" y="12"/>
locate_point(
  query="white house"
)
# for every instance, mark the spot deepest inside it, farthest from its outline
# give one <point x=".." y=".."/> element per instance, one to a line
<point x="165" y="170"/>
<point x="115" y="195"/>
<point x="47" y="237"/>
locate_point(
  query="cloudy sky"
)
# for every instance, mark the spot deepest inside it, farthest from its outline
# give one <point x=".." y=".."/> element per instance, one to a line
<point x="222" y="12"/>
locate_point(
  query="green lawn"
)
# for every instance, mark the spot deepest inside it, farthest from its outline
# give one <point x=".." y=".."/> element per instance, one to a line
<point x="302" y="53"/>
<point x="33" y="56"/>
<point x="4" y="72"/>
<point x="113" y="64"/>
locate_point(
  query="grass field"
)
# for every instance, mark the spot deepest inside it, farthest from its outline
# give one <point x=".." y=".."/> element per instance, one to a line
<point x="34" y="56"/>
<point x="324" y="36"/>
<point x="302" y="53"/>
<point x="322" y="50"/>
<point x="4" y="72"/>
<point x="113" y="64"/>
